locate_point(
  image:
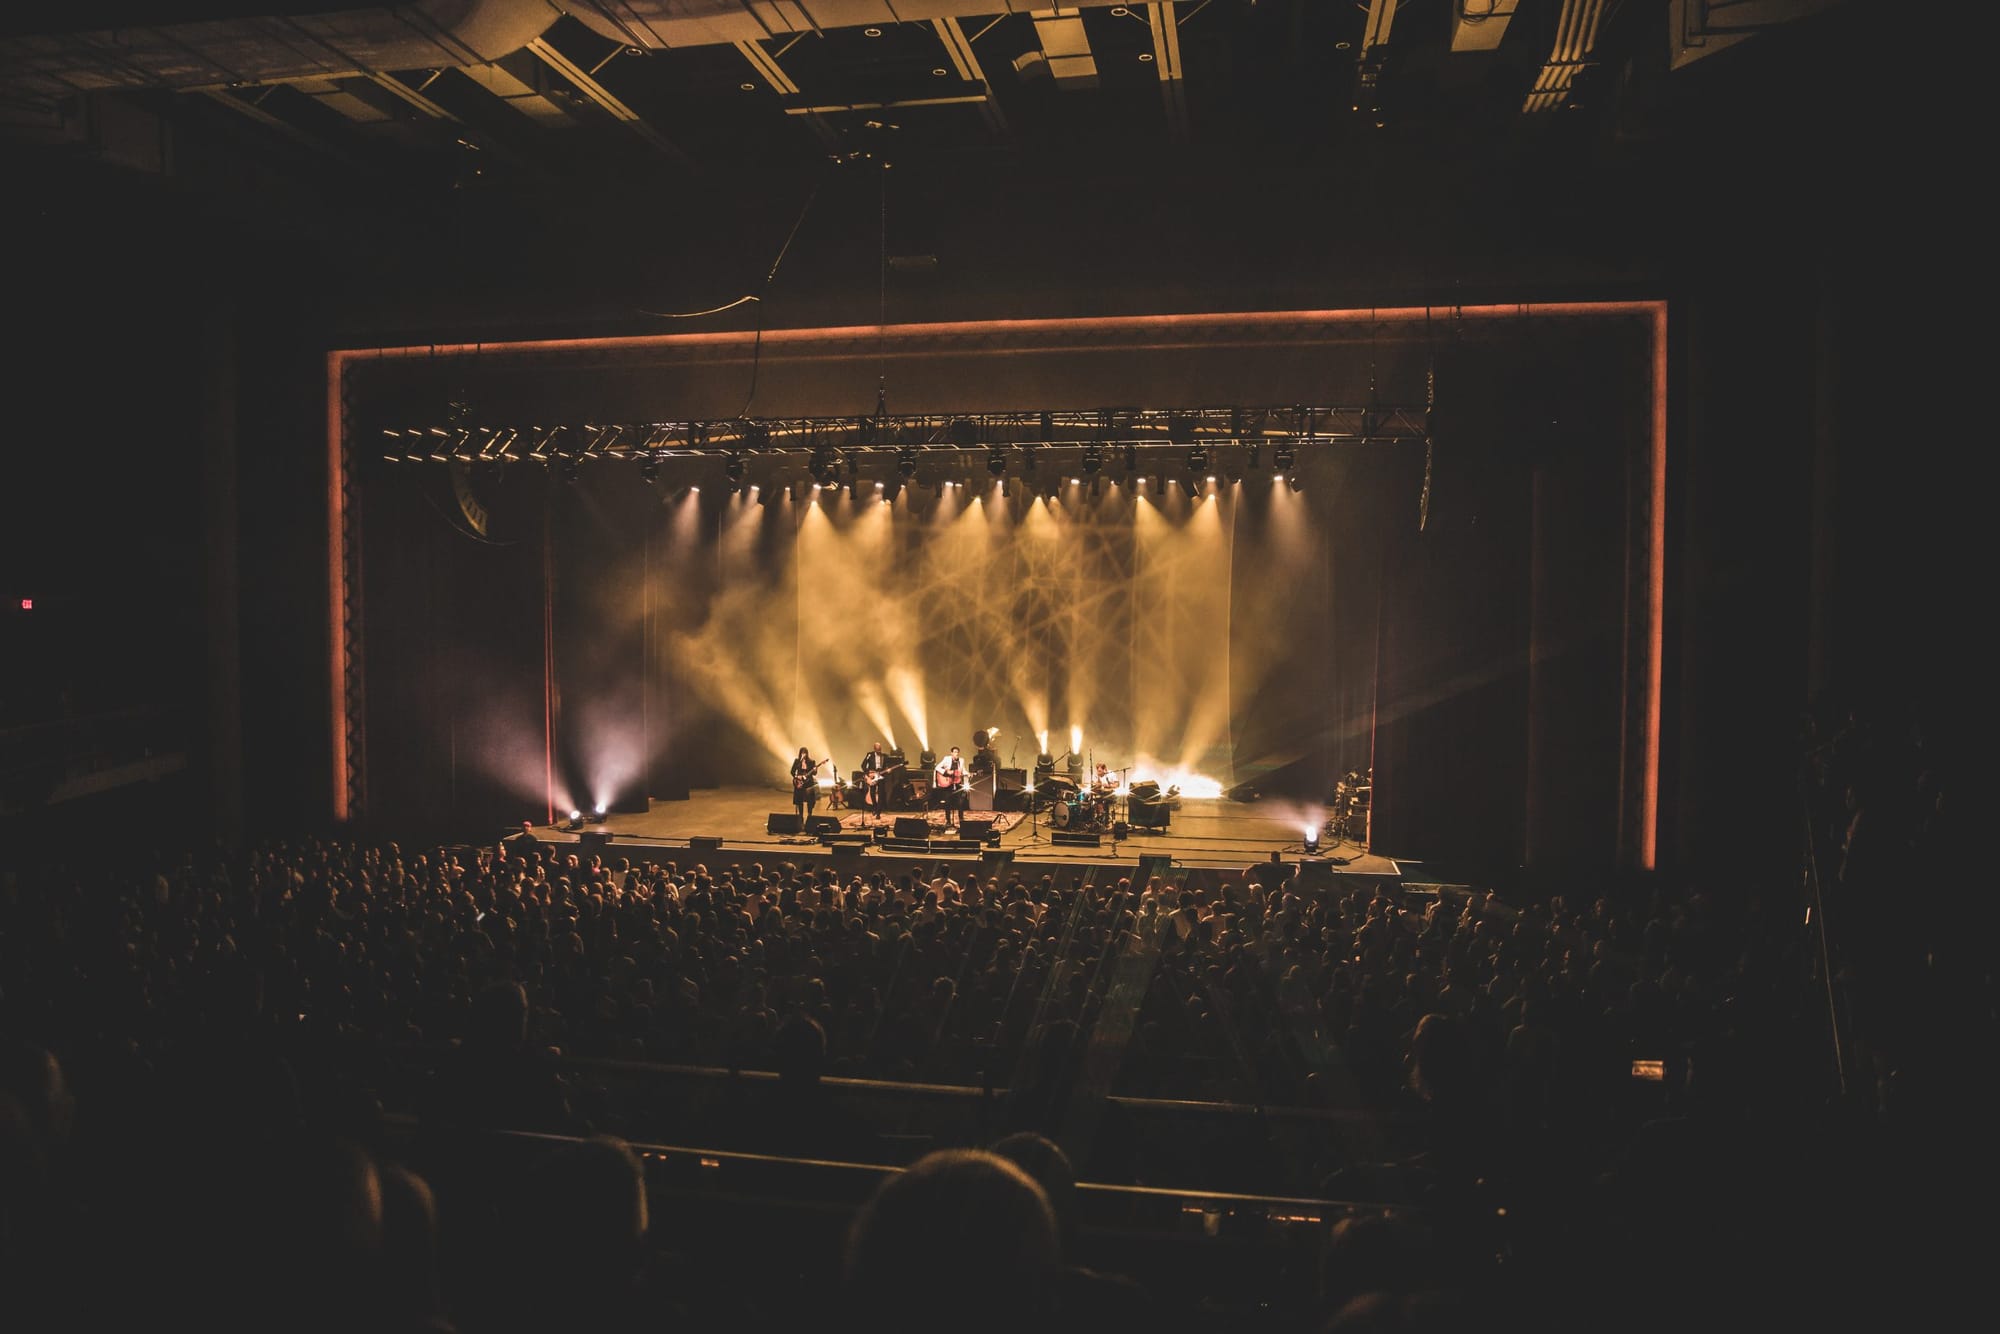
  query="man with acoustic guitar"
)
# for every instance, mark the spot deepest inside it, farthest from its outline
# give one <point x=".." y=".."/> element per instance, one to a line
<point x="948" y="782"/>
<point x="876" y="769"/>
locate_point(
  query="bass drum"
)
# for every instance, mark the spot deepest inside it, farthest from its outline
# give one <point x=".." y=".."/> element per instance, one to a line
<point x="1060" y="813"/>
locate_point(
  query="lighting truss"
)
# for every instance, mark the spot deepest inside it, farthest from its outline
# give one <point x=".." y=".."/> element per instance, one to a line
<point x="782" y="451"/>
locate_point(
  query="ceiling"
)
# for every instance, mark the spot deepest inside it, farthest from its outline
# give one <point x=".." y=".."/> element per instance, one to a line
<point x="331" y="121"/>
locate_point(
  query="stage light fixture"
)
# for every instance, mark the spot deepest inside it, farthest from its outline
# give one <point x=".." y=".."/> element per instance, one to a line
<point x="649" y="468"/>
<point x="1312" y="840"/>
<point x="1294" y="481"/>
<point x="1093" y="459"/>
<point x="1198" y="459"/>
<point x="825" y="466"/>
<point x="996" y="462"/>
<point x="1131" y="459"/>
<point x="575" y="821"/>
<point x="734" y="468"/>
<point x="906" y="461"/>
<point x="571" y="470"/>
<point x="1283" y="458"/>
<point x="964" y="432"/>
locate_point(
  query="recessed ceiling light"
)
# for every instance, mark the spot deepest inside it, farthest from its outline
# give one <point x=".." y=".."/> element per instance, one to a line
<point x="747" y="87"/>
<point x="871" y="32"/>
<point x="937" y="72"/>
<point x="1145" y="57"/>
<point x="1342" y="46"/>
<point x="1120" y="11"/>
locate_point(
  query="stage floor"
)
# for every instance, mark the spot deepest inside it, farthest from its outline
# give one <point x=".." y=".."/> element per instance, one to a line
<point x="1211" y="834"/>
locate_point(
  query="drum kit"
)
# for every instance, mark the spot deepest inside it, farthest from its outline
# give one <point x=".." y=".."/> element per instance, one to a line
<point x="1071" y="807"/>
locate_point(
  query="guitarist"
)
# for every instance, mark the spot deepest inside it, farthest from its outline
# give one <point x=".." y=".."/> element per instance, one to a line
<point x="875" y="771"/>
<point x="805" y="785"/>
<point x="948" y="781"/>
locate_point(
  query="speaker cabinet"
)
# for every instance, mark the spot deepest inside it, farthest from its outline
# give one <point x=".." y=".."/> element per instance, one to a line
<point x="979" y="799"/>
<point x="593" y="840"/>
<point x="1152" y="864"/>
<point x="977" y="830"/>
<point x="1149" y="815"/>
<point x="1074" y="839"/>
<point x="704" y="843"/>
<point x="912" y="827"/>
<point x="783" y="822"/>
<point x="822" y="824"/>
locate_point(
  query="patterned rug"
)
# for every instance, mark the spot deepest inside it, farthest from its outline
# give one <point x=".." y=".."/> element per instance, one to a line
<point x="863" y="820"/>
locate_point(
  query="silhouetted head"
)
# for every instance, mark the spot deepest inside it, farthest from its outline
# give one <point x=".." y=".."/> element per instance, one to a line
<point x="963" y="1239"/>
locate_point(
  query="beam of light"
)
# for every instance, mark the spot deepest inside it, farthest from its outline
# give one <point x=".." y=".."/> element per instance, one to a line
<point x="906" y="688"/>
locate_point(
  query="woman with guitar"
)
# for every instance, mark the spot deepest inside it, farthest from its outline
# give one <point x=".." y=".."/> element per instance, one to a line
<point x="805" y="784"/>
<point x="948" y="781"/>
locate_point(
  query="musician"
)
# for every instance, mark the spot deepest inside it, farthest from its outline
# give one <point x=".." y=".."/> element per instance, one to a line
<point x="875" y="768"/>
<point x="1103" y="787"/>
<point x="805" y="784"/>
<point x="948" y="782"/>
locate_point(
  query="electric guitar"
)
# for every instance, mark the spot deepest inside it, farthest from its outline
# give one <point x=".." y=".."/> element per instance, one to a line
<point x="800" y="782"/>
<point x="874" y="776"/>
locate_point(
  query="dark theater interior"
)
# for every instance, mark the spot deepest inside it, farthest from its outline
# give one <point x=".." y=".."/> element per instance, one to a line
<point x="977" y="665"/>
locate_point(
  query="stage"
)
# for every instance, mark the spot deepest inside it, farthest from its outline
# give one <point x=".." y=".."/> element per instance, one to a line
<point x="734" y="823"/>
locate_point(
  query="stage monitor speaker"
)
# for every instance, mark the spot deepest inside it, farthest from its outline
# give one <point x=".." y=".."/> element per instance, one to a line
<point x="822" y="824"/>
<point x="844" y="854"/>
<point x="1152" y="864"/>
<point x="993" y="859"/>
<point x="593" y="840"/>
<point x="1150" y="815"/>
<point x="783" y="822"/>
<point x="974" y="829"/>
<point x="704" y="843"/>
<point x="1074" y="839"/>
<point x="912" y="827"/>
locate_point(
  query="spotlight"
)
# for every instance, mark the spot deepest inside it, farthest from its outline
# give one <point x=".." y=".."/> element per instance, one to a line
<point x="1294" y="481"/>
<point x="598" y="810"/>
<point x="649" y="468"/>
<point x="1093" y="459"/>
<point x="1283" y="458"/>
<point x="825" y="465"/>
<point x="734" y="468"/>
<point x="996" y="462"/>
<point x="575" y="821"/>
<point x="1198" y="459"/>
<point x="906" y="461"/>
<point x="1312" y="840"/>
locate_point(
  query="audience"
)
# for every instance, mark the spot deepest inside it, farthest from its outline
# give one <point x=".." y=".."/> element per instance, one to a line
<point x="283" y="1082"/>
